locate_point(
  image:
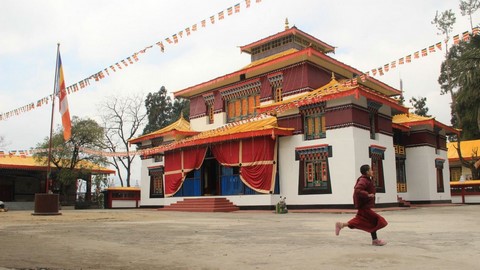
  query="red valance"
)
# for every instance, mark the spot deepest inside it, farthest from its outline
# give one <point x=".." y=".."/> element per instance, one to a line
<point x="256" y="158"/>
<point x="178" y="164"/>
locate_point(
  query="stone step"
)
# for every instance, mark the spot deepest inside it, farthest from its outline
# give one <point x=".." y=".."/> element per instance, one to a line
<point x="202" y="205"/>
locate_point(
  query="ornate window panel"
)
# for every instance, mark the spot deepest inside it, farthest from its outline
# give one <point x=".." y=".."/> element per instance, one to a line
<point x="313" y="152"/>
<point x="377" y="154"/>
<point x="246" y="89"/>
<point x="314" y="121"/>
<point x="276" y="80"/>
<point x="439" y="168"/>
<point x="314" y="174"/>
<point x="209" y="99"/>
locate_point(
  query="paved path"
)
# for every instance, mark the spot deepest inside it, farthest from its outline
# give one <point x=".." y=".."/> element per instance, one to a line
<point x="444" y="237"/>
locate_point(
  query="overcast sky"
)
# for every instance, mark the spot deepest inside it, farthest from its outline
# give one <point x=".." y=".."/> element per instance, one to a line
<point x="95" y="34"/>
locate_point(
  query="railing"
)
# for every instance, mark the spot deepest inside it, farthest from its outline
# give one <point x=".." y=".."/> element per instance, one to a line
<point x="468" y="190"/>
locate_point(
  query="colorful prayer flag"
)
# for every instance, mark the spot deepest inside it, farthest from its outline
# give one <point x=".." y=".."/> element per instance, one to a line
<point x="160" y="44"/>
<point x="416" y="55"/>
<point x="401" y="61"/>
<point x="212" y="19"/>
<point x="204" y="23"/>
<point x="456" y="39"/>
<point x="229" y="11"/>
<point x="424" y="52"/>
<point x="466" y="36"/>
<point x="431" y="48"/>
<point x="475" y="31"/>
<point x="439" y="45"/>
<point x="408" y="58"/>
<point x="247" y="2"/>
<point x="221" y="16"/>
<point x="62" y="96"/>
<point x="237" y="8"/>
<point x="393" y="64"/>
<point x="386" y="67"/>
<point x="380" y="71"/>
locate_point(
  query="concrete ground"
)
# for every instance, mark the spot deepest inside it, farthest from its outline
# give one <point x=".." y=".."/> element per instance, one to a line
<point x="445" y="237"/>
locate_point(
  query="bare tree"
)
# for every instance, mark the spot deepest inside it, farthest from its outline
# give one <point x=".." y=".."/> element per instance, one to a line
<point x="469" y="7"/>
<point x="122" y="117"/>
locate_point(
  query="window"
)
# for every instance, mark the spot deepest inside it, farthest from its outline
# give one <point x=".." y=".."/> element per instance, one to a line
<point x="314" y="122"/>
<point x="377" y="154"/>
<point x="401" y="175"/>
<point x="314" y="174"/>
<point x="278" y="94"/>
<point x="373" y="119"/>
<point x="373" y="108"/>
<point x="276" y="84"/>
<point x="156" y="183"/>
<point x="242" y="108"/>
<point x="210" y="114"/>
<point x="439" y="166"/>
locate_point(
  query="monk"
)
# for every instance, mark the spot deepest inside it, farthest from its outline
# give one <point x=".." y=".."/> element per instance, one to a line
<point x="364" y="200"/>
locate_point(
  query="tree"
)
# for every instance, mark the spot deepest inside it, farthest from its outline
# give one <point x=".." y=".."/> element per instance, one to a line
<point x="180" y="106"/>
<point x="468" y="8"/>
<point x="122" y="118"/>
<point x="420" y="106"/>
<point x="444" y="23"/>
<point x="464" y="60"/>
<point x="161" y="112"/>
<point x="159" y="109"/>
<point x="70" y="163"/>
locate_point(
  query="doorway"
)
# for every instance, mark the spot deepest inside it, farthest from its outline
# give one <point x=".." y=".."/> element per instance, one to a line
<point x="210" y="172"/>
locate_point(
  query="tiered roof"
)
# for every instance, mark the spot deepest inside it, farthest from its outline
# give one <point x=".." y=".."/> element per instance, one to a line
<point x="332" y="90"/>
<point x="411" y="120"/>
<point x="254" y="127"/>
<point x="179" y="127"/>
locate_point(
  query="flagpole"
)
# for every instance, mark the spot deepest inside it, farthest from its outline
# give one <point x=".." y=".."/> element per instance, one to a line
<point x="47" y="183"/>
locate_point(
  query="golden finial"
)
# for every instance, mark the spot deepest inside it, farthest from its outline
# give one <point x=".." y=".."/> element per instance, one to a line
<point x="286" y="24"/>
<point x="333" y="75"/>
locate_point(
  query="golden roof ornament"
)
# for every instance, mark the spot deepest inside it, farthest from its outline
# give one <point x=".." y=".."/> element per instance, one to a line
<point x="286" y="24"/>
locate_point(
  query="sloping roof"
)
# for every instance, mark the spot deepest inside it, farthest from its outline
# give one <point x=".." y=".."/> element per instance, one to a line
<point x="254" y="127"/>
<point x="411" y="120"/>
<point x="333" y="89"/>
<point x="269" y="58"/>
<point x="29" y="163"/>
<point x="179" y="127"/>
<point x="283" y="60"/>
<point x="467" y="147"/>
<point x="290" y="31"/>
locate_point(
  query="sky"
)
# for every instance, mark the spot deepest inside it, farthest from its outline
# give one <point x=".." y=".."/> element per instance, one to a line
<point x="95" y="34"/>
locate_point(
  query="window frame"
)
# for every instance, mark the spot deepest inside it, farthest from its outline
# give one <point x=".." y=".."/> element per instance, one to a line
<point x="315" y="157"/>
<point x="377" y="155"/>
<point x="156" y="177"/>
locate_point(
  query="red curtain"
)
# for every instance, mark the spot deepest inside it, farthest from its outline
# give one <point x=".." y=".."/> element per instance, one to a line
<point x="255" y="156"/>
<point x="178" y="164"/>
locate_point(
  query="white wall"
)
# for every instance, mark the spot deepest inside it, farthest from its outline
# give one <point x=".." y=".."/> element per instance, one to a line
<point x="422" y="175"/>
<point x="349" y="152"/>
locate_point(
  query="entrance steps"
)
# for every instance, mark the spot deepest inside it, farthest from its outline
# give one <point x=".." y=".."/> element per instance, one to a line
<point x="202" y="205"/>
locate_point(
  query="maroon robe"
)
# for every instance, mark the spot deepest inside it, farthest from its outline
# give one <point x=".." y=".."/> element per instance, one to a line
<point x="365" y="219"/>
